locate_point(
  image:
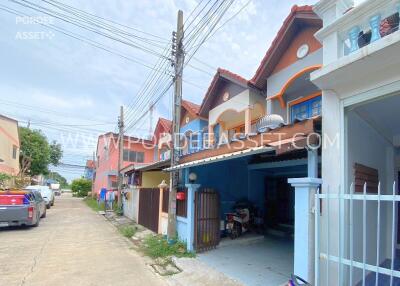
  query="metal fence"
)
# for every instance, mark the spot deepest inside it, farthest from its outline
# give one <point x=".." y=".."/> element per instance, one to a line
<point x="206" y="229"/>
<point x="181" y="205"/>
<point x="149" y="199"/>
<point x="165" y="200"/>
<point x="349" y="251"/>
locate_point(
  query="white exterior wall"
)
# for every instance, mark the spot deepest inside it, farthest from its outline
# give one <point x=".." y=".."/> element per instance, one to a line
<point x="368" y="74"/>
<point x="276" y="81"/>
<point x="131" y="206"/>
<point x="368" y="147"/>
<point x="238" y="103"/>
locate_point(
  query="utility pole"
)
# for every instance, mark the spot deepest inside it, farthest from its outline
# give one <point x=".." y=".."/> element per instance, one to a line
<point x="120" y="153"/>
<point x="93" y="172"/>
<point x="177" y="52"/>
<point x="151" y="108"/>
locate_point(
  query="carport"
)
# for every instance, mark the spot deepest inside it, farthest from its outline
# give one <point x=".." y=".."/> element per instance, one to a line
<point x="262" y="179"/>
<point x="253" y="260"/>
<point x="260" y="175"/>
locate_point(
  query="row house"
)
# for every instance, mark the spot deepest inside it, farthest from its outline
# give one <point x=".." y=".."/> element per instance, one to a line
<point x="328" y="187"/>
<point x="143" y="200"/>
<point x="136" y="151"/>
<point x="357" y="234"/>
<point x="9" y="146"/>
<point x="260" y="146"/>
<point x="88" y="173"/>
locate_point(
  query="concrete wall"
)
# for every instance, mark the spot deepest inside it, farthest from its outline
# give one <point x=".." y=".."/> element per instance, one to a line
<point x="277" y="80"/>
<point x="131" y="205"/>
<point x="9" y="139"/>
<point x="151" y="179"/>
<point x="366" y="146"/>
<point x="181" y="228"/>
<point x="198" y="126"/>
<point x="107" y="158"/>
<point x="229" y="179"/>
<point x="163" y="224"/>
<point x="226" y="86"/>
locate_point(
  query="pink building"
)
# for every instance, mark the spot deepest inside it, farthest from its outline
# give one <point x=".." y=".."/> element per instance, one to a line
<point x="136" y="151"/>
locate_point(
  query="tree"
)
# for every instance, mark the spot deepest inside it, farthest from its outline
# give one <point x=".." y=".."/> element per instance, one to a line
<point x="81" y="187"/>
<point x="4" y="178"/>
<point x="56" y="153"/>
<point x="36" y="152"/>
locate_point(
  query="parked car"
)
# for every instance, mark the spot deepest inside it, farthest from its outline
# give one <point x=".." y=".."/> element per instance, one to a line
<point x="21" y="208"/>
<point x="46" y="192"/>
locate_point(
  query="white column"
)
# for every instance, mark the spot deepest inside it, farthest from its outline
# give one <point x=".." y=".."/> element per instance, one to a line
<point x="192" y="188"/>
<point x="312" y="164"/>
<point x="305" y="189"/>
<point x="247" y="121"/>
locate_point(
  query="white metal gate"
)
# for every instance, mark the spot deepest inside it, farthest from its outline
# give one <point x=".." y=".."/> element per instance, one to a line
<point x="344" y="255"/>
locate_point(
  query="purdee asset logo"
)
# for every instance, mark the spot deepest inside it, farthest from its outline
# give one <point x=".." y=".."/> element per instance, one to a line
<point x="34" y="21"/>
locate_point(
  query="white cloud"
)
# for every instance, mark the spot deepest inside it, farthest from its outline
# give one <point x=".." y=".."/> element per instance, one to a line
<point x="69" y="76"/>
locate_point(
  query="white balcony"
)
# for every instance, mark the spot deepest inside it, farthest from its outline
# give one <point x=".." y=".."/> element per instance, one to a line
<point x="360" y="42"/>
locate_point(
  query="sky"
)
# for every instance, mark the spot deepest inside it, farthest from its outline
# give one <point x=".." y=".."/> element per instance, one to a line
<point x="73" y="91"/>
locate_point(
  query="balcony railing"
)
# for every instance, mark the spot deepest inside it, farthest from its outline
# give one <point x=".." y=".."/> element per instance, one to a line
<point x="369" y="22"/>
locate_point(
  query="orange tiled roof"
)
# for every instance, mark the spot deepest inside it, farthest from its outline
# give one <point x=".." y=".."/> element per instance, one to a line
<point x="191" y="107"/>
<point x="90" y="164"/>
<point x="297" y="12"/>
<point x="221" y="73"/>
<point x="167" y="124"/>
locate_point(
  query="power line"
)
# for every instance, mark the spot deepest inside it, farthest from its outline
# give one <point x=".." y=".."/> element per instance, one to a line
<point x="209" y="14"/>
<point x="47" y="111"/>
<point x="227" y="21"/>
<point x="111" y="21"/>
<point x="95" y="44"/>
<point x="74" y="21"/>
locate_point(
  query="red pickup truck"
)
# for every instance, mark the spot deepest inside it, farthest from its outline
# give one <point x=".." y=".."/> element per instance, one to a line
<point x="21" y="208"/>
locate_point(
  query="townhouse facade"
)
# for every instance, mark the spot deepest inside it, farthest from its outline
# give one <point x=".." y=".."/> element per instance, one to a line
<point x="357" y="233"/>
<point x="136" y="151"/>
<point x="311" y="141"/>
<point x="89" y="169"/>
<point x="9" y="146"/>
<point x="258" y="135"/>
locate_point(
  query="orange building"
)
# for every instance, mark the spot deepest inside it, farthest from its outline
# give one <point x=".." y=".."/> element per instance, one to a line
<point x="9" y="146"/>
<point x="136" y="151"/>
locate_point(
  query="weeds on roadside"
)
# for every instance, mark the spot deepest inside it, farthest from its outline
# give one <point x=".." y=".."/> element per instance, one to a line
<point x="158" y="247"/>
<point x="127" y="231"/>
<point x="92" y="203"/>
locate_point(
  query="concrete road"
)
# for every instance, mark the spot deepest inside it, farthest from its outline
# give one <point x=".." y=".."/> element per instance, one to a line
<point x="72" y="246"/>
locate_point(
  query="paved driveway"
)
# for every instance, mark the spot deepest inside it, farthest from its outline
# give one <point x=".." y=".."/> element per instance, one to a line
<point x="72" y="246"/>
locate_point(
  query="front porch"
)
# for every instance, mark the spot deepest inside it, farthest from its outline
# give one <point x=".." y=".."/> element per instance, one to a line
<point x="253" y="260"/>
<point x="261" y="179"/>
<point x="357" y="232"/>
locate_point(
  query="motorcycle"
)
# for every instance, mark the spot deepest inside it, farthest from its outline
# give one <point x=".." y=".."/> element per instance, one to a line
<point x="297" y="281"/>
<point x="237" y="222"/>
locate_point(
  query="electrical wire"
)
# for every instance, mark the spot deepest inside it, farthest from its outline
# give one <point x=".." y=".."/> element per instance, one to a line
<point x="73" y="21"/>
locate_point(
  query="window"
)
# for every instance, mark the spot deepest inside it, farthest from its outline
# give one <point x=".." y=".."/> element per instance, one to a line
<point x="306" y="109"/>
<point x="125" y="155"/>
<point x="133" y="156"/>
<point x="14" y="152"/>
<point x="194" y="141"/>
<point x="114" y="184"/>
<point x="140" y="157"/>
<point x="236" y="132"/>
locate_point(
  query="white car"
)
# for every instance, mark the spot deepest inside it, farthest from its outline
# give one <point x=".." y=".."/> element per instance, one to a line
<point x="46" y="192"/>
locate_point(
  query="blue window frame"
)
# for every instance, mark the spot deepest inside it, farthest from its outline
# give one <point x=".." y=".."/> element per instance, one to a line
<point x="306" y="109"/>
